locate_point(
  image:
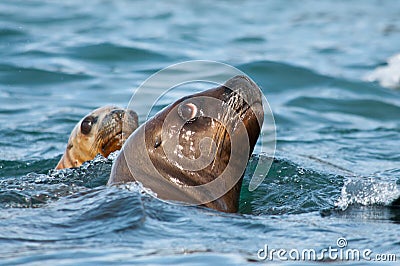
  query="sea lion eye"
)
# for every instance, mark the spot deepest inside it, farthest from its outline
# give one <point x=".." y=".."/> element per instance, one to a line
<point x="86" y="125"/>
<point x="187" y="111"/>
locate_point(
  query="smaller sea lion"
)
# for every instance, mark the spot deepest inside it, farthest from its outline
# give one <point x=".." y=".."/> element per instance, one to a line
<point x="103" y="131"/>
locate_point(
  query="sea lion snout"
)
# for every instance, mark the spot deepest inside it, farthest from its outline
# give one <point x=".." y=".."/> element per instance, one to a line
<point x="119" y="114"/>
<point x="248" y="92"/>
<point x="251" y="91"/>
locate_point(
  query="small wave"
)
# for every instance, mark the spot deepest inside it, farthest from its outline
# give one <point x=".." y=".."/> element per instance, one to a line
<point x="100" y="211"/>
<point x="249" y="39"/>
<point x="35" y="189"/>
<point x="19" y="75"/>
<point x="382" y="111"/>
<point x="113" y="52"/>
<point x="277" y="76"/>
<point x="91" y="174"/>
<point x="9" y="32"/>
<point x="281" y="76"/>
<point x="83" y="215"/>
<point x="289" y="189"/>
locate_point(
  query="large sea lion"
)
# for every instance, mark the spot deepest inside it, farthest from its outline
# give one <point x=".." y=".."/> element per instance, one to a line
<point x="101" y="132"/>
<point x="196" y="149"/>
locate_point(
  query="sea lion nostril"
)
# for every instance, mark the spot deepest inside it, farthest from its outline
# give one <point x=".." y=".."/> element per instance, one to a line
<point x="118" y="113"/>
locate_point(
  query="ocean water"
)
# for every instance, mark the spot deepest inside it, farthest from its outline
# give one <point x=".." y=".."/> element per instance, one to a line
<point x="337" y="163"/>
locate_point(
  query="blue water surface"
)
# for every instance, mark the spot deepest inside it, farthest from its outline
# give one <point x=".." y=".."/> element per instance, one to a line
<point x="337" y="163"/>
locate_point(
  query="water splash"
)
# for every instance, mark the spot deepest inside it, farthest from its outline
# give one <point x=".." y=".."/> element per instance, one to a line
<point x="367" y="192"/>
<point x="137" y="187"/>
<point x="36" y="189"/>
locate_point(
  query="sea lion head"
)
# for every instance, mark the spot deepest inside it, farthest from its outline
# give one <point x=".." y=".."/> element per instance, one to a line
<point x="101" y="132"/>
<point x="196" y="149"/>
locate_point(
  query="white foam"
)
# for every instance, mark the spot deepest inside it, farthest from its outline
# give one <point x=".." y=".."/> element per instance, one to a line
<point x="367" y="192"/>
<point x="388" y="75"/>
<point x="138" y="187"/>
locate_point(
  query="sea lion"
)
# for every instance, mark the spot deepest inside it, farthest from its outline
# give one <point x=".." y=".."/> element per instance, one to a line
<point x="196" y="150"/>
<point x="100" y="132"/>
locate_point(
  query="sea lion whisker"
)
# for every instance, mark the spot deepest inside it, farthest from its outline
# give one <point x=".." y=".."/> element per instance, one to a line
<point x="234" y="104"/>
<point x="219" y="138"/>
